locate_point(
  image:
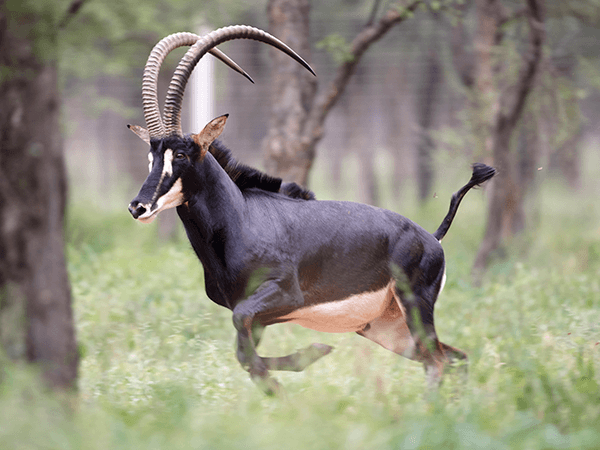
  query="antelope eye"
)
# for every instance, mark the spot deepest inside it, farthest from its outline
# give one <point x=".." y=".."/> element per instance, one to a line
<point x="180" y="156"/>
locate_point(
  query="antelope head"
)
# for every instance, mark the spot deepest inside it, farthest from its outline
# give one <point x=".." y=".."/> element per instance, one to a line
<point x="171" y="153"/>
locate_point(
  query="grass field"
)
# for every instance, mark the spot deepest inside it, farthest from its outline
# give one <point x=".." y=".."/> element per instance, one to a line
<point x="158" y="369"/>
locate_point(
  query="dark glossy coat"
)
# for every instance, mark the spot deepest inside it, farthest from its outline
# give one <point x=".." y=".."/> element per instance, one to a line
<point x="272" y="253"/>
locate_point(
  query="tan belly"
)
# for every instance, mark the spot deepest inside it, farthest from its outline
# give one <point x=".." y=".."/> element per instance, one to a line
<point x="342" y="316"/>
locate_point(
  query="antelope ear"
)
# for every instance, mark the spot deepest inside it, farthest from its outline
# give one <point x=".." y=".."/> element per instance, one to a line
<point x="141" y="132"/>
<point x="210" y="132"/>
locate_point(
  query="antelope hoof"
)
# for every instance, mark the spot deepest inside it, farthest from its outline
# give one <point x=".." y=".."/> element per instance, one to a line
<point x="323" y="349"/>
<point x="268" y="385"/>
<point x="316" y="351"/>
<point x="311" y="354"/>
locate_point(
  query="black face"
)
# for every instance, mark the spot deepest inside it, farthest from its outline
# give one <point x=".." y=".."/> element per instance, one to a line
<point x="169" y="159"/>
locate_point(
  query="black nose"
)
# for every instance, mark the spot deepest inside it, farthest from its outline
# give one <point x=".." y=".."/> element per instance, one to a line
<point x="136" y="209"/>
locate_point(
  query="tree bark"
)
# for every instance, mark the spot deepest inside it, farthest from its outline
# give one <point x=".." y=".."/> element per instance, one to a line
<point x="36" y="322"/>
<point x="505" y="213"/>
<point x="427" y="100"/>
<point x="565" y="157"/>
<point x="486" y="95"/>
<point x="359" y="138"/>
<point x="292" y="92"/>
<point x="401" y="121"/>
<point x="289" y="148"/>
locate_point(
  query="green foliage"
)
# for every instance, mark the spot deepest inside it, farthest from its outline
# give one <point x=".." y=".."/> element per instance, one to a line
<point x="339" y="49"/>
<point x="36" y="21"/>
<point x="111" y="37"/>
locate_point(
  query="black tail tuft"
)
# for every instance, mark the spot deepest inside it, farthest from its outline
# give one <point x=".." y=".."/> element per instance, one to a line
<point x="481" y="173"/>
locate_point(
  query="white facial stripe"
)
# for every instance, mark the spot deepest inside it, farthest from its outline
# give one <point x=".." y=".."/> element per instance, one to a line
<point x="171" y="199"/>
<point x="167" y="171"/>
<point x="150" y="161"/>
<point x="168" y="163"/>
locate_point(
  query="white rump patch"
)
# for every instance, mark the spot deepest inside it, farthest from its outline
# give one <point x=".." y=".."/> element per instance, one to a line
<point x="443" y="283"/>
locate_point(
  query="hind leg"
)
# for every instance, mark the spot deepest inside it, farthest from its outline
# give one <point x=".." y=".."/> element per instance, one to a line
<point x="390" y="330"/>
<point x="434" y="355"/>
<point x="454" y="355"/>
<point x="405" y="334"/>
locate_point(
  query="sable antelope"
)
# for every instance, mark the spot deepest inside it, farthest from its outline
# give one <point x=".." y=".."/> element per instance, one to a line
<point x="272" y="253"/>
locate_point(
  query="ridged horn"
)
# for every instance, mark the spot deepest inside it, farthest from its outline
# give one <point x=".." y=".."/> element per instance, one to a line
<point x="150" y="78"/>
<point x="172" y="114"/>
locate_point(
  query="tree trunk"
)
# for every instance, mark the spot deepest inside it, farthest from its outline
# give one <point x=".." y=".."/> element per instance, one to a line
<point x="506" y="209"/>
<point x="485" y="98"/>
<point x="427" y="100"/>
<point x="292" y="92"/>
<point x="400" y="123"/>
<point x="36" y="322"/>
<point x="298" y="115"/>
<point x="565" y="158"/>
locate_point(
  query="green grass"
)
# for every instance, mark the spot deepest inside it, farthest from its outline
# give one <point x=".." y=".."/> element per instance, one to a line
<point x="158" y="368"/>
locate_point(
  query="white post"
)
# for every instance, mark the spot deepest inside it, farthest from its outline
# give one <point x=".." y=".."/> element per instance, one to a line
<point x="202" y="91"/>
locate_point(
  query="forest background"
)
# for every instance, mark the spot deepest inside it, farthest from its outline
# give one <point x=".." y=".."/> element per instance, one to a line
<point x="443" y="84"/>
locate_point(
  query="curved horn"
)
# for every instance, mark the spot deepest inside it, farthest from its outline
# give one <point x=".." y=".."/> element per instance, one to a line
<point x="180" y="78"/>
<point x="150" y="79"/>
<point x="230" y="63"/>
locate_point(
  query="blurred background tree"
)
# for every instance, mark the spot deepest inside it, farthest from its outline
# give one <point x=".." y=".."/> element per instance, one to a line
<point x="43" y="47"/>
<point x="36" y="320"/>
<point x="499" y="105"/>
<point x="297" y="115"/>
<point x="524" y="111"/>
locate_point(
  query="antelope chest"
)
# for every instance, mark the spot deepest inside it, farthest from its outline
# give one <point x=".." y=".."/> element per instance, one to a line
<point x="341" y="316"/>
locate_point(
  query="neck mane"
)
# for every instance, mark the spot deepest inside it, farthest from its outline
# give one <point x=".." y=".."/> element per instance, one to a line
<point x="246" y="177"/>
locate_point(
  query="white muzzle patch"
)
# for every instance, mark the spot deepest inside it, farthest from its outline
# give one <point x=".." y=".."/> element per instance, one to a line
<point x="172" y="199"/>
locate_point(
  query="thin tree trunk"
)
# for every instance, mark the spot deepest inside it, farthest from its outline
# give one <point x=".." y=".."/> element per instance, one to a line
<point x="337" y="154"/>
<point x="400" y="116"/>
<point x="36" y="322"/>
<point x="360" y="140"/>
<point x="508" y="191"/>
<point x="565" y="159"/>
<point x="427" y="101"/>
<point x="486" y="96"/>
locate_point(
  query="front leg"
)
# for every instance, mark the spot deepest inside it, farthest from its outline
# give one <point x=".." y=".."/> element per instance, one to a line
<point x="248" y="333"/>
<point x="269" y="297"/>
